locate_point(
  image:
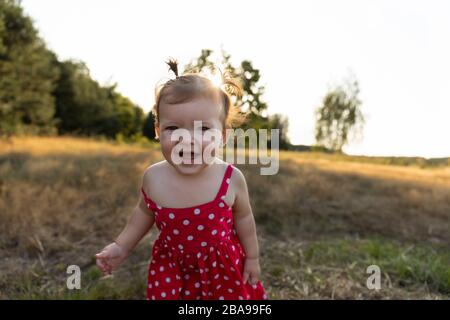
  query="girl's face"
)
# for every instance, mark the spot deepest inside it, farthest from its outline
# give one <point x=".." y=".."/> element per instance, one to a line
<point x="185" y="132"/>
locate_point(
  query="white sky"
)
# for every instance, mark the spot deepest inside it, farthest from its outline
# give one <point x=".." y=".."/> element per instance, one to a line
<point x="399" y="51"/>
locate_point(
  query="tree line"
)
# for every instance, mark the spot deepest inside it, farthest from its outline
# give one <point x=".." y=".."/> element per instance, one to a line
<point x="41" y="94"/>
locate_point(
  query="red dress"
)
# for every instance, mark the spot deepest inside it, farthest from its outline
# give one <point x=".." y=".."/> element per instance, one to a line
<point x="197" y="254"/>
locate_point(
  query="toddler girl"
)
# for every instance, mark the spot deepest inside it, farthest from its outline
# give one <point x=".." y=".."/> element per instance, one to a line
<point x="207" y="246"/>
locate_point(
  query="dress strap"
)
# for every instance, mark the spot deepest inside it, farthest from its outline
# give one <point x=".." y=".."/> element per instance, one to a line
<point x="150" y="203"/>
<point x="225" y="182"/>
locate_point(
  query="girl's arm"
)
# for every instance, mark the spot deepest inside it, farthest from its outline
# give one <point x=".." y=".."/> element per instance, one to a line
<point x="138" y="225"/>
<point x="243" y="217"/>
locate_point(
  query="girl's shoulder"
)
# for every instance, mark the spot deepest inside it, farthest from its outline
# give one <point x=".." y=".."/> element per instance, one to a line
<point x="154" y="172"/>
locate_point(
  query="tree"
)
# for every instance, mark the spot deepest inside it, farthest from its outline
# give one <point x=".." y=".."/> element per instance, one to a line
<point x="251" y="101"/>
<point x="28" y="74"/>
<point x="85" y="107"/>
<point x="339" y="115"/>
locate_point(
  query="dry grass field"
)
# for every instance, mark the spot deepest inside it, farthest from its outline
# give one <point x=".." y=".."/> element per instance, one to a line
<point x="322" y="220"/>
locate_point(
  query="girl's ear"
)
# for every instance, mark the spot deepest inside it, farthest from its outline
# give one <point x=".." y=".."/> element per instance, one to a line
<point x="157" y="132"/>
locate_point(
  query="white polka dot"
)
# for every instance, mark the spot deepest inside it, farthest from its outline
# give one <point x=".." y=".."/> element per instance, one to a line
<point x="180" y="246"/>
<point x="228" y="180"/>
<point x="240" y="298"/>
<point x="204" y="244"/>
<point x="161" y="269"/>
<point x="158" y="206"/>
<point x="221" y="205"/>
<point x="168" y="279"/>
<point x="214" y="232"/>
<point x="237" y="261"/>
<point x="190" y="238"/>
<point x="216" y="276"/>
<point x="200" y="227"/>
<point x="211" y="216"/>
<point x="254" y="286"/>
<point x="237" y="282"/>
<point x="171" y="215"/>
<point x="150" y="286"/>
<point x="199" y="255"/>
<point x="173" y="291"/>
<point x="163" y="294"/>
<point x="265" y="296"/>
<point x="221" y="265"/>
<point x="221" y="298"/>
<point x="197" y="284"/>
<point x="222" y="197"/>
<point x="187" y="292"/>
<point x="153" y="297"/>
<point x="214" y="264"/>
<point x="156" y="283"/>
<point x="186" y="222"/>
<point x="218" y="286"/>
<point x="152" y="272"/>
<point x="225" y="278"/>
<point x="197" y="211"/>
<point x="223" y="233"/>
<point x="168" y="238"/>
<point x="230" y="290"/>
<point x="175" y="231"/>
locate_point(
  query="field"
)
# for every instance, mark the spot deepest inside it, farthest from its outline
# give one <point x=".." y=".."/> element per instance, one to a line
<point x="321" y="221"/>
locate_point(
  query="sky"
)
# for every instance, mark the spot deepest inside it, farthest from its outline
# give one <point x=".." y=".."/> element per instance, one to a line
<point x="398" y="51"/>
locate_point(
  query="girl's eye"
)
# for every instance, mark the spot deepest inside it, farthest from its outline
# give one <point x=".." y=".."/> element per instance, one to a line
<point x="205" y="128"/>
<point x="170" y="128"/>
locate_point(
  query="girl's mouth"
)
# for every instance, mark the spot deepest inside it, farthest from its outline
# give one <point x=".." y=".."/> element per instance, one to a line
<point x="190" y="156"/>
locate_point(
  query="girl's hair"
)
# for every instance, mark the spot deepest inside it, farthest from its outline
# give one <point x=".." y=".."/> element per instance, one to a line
<point x="189" y="86"/>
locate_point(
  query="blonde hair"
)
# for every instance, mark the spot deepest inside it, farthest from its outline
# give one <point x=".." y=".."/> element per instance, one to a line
<point x="189" y="86"/>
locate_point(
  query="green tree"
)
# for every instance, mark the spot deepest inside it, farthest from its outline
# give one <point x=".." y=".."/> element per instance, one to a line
<point x="251" y="101"/>
<point x="28" y="74"/>
<point x="339" y="115"/>
<point x="85" y="107"/>
<point x="149" y="126"/>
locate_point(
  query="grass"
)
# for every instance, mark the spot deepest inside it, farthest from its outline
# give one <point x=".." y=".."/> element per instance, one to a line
<point x="322" y="220"/>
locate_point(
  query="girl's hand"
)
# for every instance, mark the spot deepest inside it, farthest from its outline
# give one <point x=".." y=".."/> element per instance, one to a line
<point x="251" y="270"/>
<point x="110" y="258"/>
